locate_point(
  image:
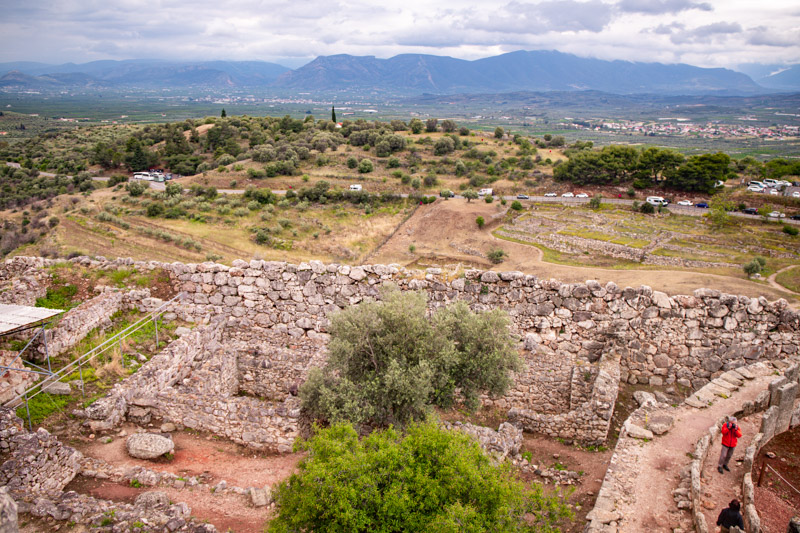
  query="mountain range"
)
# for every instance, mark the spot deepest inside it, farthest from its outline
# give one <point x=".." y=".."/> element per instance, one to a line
<point x="408" y="74"/>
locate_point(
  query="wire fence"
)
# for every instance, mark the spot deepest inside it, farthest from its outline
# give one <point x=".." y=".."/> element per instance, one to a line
<point x="78" y="364"/>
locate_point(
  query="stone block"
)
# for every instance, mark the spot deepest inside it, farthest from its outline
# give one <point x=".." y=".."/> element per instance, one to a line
<point x="148" y="445"/>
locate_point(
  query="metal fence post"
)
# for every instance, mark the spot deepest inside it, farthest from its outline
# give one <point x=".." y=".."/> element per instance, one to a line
<point x="80" y="370"/>
<point x="28" y="411"/>
<point x="46" y="351"/>
<point x="155" y="323"/>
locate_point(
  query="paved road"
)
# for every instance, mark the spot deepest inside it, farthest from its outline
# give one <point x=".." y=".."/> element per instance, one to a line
<point x="683" y="210"/>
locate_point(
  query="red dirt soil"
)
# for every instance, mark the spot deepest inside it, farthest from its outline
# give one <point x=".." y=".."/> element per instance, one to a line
<point x="195" y="455"/>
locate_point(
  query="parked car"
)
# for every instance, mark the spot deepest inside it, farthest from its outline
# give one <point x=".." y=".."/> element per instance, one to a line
<point x="685" y="202"/>
<point x="774" y="192"/>
<point x="750" y="211"/>
<point x="485" y="192"/>
<point x="776" y="214"/>
<point x="769" y="182"/>
<point x="759" y="184"/>
<point x="581" y="195"/>
<point x="656" y="201"/>
<point x="550" y="195"/>
<point x="703" y="205"/>
<point x="567" y="195"/>
<point x="446" y="193"/>
<point x="719" y="183"/>
<point x="796" y="194"/>
<point x="795" y="217"/>
<point x="522" y="197"/>
<point x="755" y="188"/>
<point x="355" y="187"/>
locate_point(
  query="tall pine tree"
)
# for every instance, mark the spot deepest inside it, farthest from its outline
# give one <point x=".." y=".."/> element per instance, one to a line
<point x="333" y="114"/>
<point x="223" y="114"/>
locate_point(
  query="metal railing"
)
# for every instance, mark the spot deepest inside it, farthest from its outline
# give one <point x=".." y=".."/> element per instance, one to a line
<point x="33" y="391"/>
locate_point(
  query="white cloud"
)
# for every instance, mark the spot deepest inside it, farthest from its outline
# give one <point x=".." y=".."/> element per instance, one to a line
<point x="706" y="33"/>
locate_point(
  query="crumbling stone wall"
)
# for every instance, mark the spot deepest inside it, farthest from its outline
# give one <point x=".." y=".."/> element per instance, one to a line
<point x="589" y="417"/>
<point x="686" y="339"/>
<point x="12" y="382"/>
<point x="35" y="464"/>
<point x="91" y="314"/>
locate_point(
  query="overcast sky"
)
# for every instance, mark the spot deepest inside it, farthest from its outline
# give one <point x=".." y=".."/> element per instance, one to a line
<point x="712" y="33"/>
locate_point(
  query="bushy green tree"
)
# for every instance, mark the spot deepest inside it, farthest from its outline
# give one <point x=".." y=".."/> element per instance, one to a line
<point x="416" y="126"/>
<point x="426" y="479"/>
<point x="389" y="363"/>
<point x="470" y="195"/>
<point x="499" y="132"/>
<point x="480" y="221"/>
<point x="365" y="166"/>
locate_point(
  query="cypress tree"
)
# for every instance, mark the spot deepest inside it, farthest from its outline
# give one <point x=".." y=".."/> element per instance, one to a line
<point x="333" y="114"/>
<point x="223" y="114"/>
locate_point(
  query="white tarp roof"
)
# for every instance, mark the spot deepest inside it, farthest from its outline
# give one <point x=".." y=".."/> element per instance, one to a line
<point x="13" y="317"/>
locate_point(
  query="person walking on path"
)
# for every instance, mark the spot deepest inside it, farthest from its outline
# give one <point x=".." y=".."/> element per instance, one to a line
<point x="730" y="517"/>
<point x="731" y="433"/>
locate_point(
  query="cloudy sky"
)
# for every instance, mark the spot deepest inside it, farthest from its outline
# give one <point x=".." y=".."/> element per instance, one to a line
<point x="711" y="33"/>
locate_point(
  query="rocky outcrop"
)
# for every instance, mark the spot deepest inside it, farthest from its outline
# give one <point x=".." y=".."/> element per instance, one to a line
<point x="8" y="513"/>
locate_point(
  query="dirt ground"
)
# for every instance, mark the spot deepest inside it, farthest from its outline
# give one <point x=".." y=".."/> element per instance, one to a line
<point x="545" y="452"/>
<point x="197" y="455"/>
<point x="776" y="501"/>
<point x="445" y="233"/>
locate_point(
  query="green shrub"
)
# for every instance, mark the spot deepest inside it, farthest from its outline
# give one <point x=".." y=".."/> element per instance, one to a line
<point x="594" y="203"/>
<point x="426" y="479"/>
<point x="752" y="268"/>
<point x="516" y="205"/>
<point x="365" y="166"/>
<point x="647" y="208"/>
<point x="790" y="230"/>
<point x="352" y="162"/>
<point x="497" y="256"/>
<point x="480" y="221"/>
<point x="389" y="363"/>
<point x="135" y="188"/>
<point x="155" y="209"/>
<point x="489" y="199"/>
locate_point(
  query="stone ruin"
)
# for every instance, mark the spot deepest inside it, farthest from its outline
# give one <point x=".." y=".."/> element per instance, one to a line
<point x="260" y="326"/>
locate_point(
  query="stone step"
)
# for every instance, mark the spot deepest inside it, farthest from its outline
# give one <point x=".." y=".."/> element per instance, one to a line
<point x="692" y="401"/>
<point x="733" y="377"/>
<point x="722" y="384"/>
<point x="745" y="372"/>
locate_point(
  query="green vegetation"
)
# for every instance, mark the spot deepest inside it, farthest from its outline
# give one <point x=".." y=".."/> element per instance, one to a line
<point x="426" y="479"/>
<point x="389" y="363"/>
<point x="480" y="222"/>
<point x="497" y="256"/>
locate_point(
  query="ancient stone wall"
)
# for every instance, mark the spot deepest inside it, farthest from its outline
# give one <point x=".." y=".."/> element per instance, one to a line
<point x="34" y="464"/>
<point x="91" y="314"/>
<point x="175" y="363"/>
<point x="782" y="393"/>
<point x="589" y="417"/>
<point x="687" y="339"/>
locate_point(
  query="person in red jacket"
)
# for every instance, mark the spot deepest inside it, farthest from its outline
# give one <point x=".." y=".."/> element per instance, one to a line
<point x="731" y="433"/>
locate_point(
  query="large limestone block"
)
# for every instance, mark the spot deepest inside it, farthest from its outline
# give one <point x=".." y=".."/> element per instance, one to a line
<point x="148" y="445"/>
<point x="8" y="513"/>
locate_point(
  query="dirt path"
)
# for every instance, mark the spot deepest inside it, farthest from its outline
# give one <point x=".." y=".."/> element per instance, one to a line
<point x="445" y="233"/>
<point x="654" y="469"/>
<point x="719" y="489"/>
<point x="773" y="283"/>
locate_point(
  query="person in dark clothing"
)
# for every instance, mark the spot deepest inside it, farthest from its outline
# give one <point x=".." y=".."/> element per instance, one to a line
<point x="730" y="517"/>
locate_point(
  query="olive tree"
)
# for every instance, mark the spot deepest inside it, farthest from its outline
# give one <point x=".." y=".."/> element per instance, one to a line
<point x="390" y="363"/>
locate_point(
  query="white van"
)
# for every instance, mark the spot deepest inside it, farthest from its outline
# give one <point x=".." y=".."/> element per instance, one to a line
<point x="485" y="192"/>
<point x="355" y="187"/>
<point x="142" y="176"/>
<point x="656" y="201"/>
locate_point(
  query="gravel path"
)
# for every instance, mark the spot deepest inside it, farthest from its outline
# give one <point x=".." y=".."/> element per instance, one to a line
<point x="652" y="470"/>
